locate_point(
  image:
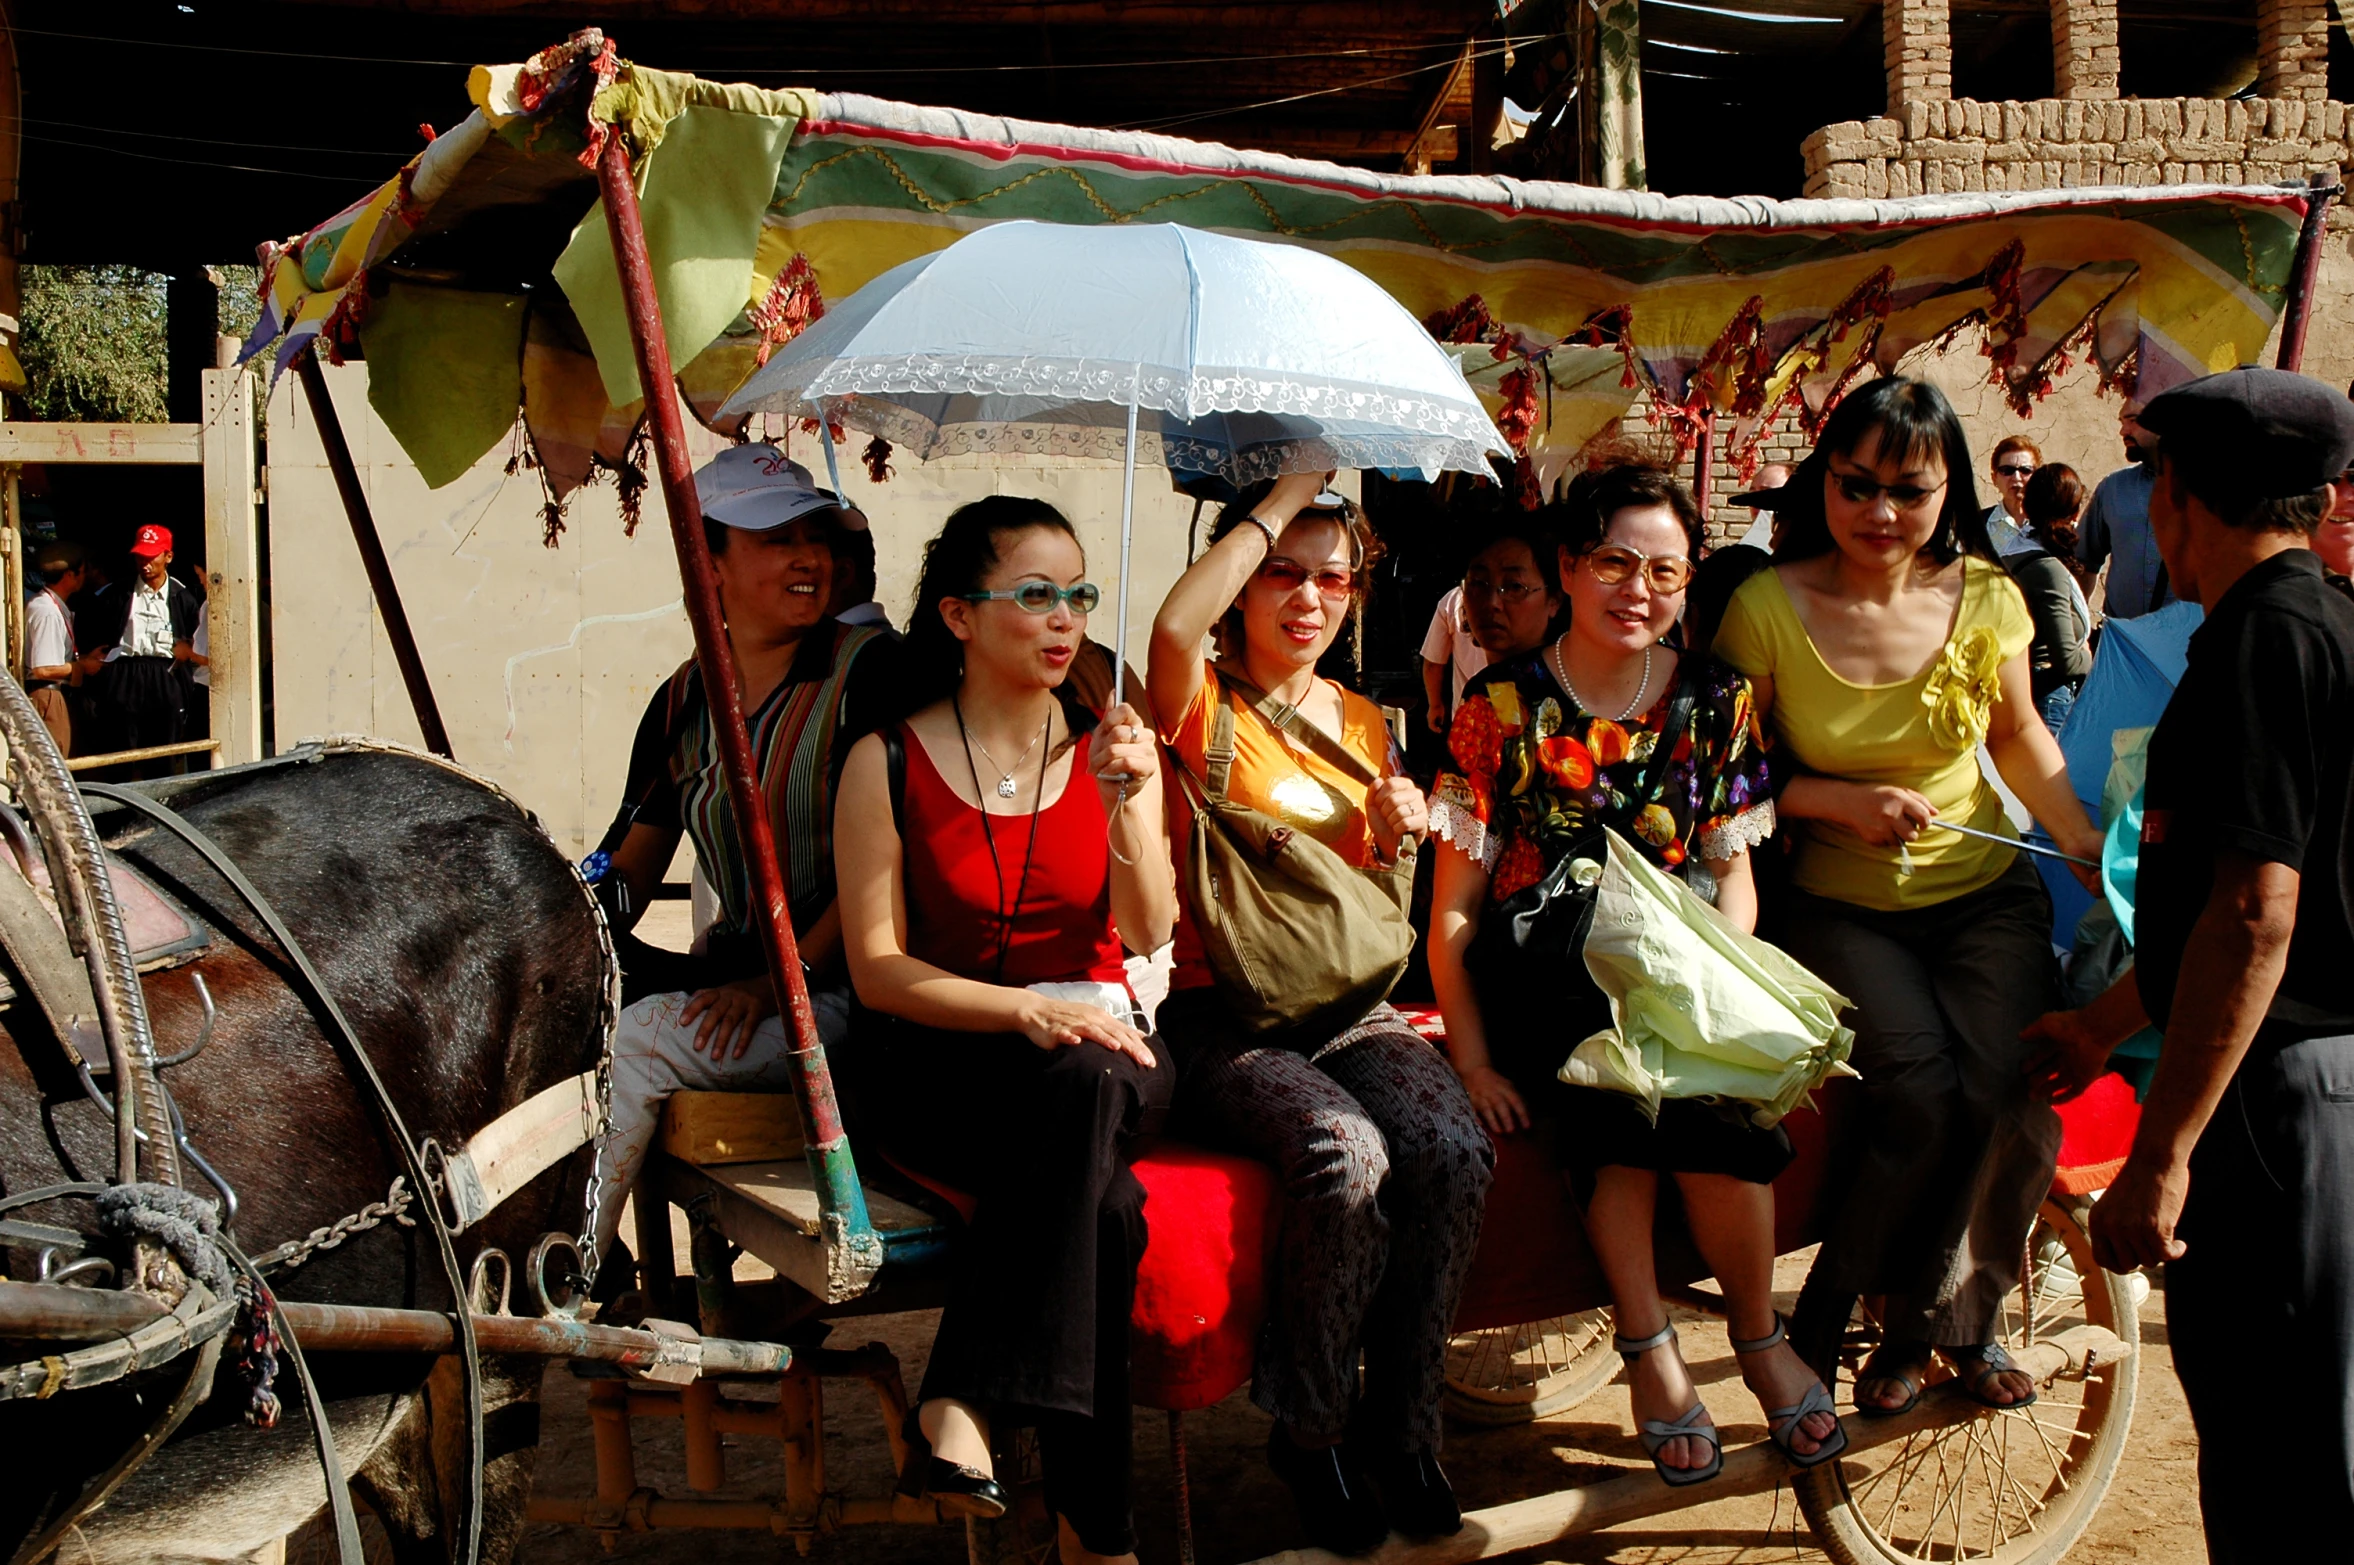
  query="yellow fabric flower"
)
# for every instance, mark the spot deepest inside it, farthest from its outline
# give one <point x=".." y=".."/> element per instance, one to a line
<point x="1963" y="688"/>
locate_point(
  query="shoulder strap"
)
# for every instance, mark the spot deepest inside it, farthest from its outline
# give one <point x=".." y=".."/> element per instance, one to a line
<point x="1287" y="719"/>
<point x="1218" y="760"/>
<point x="1671" y="734"/>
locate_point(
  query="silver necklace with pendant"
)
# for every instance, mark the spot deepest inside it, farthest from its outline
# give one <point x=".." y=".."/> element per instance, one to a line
<point x="1561" y="672"/>
<point x="1005" y="782"/>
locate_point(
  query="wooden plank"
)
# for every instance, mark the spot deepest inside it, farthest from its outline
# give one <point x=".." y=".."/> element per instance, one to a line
<point x="232" y="565"/>
<point x="786" y="1189"/>
<point x="118" y="443"/>
<point x="709" y="1129"/>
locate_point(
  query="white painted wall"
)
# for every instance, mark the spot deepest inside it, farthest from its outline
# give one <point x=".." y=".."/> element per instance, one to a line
<point x="544" y="659"/>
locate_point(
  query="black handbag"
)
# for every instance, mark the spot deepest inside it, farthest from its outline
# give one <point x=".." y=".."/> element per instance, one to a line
<point x="1527" y="959"/>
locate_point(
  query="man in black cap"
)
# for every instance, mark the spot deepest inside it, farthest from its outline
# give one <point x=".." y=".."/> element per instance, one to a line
<point x="2241" y="1178"/>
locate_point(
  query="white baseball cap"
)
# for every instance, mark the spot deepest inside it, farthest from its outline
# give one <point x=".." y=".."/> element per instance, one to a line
<point x="757" y="487"/>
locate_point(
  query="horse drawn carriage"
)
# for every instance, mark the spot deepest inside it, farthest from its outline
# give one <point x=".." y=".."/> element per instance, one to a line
<point x="670" y="234"/>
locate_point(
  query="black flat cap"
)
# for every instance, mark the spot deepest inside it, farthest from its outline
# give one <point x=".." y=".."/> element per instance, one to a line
<point x="2281" y="435"/>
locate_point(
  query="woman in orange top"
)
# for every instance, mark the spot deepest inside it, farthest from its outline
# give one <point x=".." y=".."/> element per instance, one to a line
<point x="1385" y="1164"/>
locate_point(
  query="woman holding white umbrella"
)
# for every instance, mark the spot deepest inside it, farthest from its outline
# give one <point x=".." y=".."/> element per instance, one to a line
<point x="1385" y="1164"/>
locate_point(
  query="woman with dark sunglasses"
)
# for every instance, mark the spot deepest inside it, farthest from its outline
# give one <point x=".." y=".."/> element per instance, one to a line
<point x="995" y="853"/>
<point x="1887" y="648"/>
<point x="1604" y="725"/>
<point x="1386" y="1168"/>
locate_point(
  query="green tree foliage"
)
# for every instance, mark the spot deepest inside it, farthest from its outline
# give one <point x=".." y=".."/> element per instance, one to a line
<point x="93" y="344"/>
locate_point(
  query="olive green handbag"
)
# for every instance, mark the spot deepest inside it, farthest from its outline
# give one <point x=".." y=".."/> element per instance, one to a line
<point x="1301" y="942"/>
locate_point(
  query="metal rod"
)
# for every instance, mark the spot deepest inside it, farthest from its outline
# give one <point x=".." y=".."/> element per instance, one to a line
<point x="363" y="531"/>
<point x="2322" y="189"/>
<point x="49" y="1313"/>
<point x="2014" y="842"/>
<point x="772" y="919"/>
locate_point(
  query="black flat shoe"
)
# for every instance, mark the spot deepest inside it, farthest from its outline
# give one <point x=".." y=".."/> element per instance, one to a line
<point x="1337" y="1507"/>
<point x="1416" y="1495"/>
<point x="960" y="1490"/>
<point x="964" y="1491"/>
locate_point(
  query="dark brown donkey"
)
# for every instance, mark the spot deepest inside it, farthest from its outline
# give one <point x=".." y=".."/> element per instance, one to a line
<point x="469" y="959"/>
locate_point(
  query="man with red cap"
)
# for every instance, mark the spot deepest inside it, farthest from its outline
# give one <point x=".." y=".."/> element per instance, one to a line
<point x="149" y="634"/>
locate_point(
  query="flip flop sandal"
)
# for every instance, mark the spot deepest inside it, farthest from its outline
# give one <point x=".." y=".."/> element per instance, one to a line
<point x="1782" y="1422"/>
<point x="1690" y="1425"/>
<point x="1979" y="1364"/>
<point x="1885" y="1364"/>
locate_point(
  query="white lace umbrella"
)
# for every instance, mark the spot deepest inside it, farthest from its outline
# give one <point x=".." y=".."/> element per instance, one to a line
<point x="1150" y="342"/>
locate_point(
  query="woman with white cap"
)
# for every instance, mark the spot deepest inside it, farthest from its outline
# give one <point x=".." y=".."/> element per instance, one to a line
<point x="809" y="686"/>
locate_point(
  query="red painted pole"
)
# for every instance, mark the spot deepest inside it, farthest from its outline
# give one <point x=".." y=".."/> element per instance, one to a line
<point x="772" y="920"/>
<point x="2305" y="272"/>
<point x="363" y="532"/>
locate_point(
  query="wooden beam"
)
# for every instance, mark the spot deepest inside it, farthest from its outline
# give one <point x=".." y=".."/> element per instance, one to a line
<point x="1754" y="1469"/>
<point x="232" y="566"/>
<point x="1419" y="152"/>
<point x="146" y="444"/>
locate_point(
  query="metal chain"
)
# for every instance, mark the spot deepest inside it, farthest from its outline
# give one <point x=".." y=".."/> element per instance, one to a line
<point x="609" y="1018"/>
<point x="394" y="1206"/>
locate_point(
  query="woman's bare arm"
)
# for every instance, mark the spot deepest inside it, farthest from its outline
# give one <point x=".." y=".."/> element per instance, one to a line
<point x="2029" y="759"/>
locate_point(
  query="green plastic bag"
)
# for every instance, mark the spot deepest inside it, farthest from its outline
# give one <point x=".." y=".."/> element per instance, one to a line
<point x="1702" y="1010"/>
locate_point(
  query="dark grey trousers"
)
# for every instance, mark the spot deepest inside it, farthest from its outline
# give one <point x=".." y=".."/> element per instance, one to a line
<point x="2260" y="1308"/>
<point x="1957" y="1152"/>
<point x="1386" y="1169"/>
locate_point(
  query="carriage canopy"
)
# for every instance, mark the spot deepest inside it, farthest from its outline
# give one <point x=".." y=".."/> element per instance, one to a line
<point x="479" y="281"/>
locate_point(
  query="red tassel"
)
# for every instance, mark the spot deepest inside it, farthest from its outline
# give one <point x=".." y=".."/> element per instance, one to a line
<point x="877" y="457"/>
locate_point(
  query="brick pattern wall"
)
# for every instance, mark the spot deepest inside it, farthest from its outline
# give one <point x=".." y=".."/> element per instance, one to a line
<point x="1917" y="42"/>
<point x="2085" y="61"/>
<point x="2292" y="48"/>
<point x="1960" y="145"/>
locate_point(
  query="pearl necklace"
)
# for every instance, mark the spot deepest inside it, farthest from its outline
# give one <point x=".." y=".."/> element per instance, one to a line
<point x="1561" y="672"/>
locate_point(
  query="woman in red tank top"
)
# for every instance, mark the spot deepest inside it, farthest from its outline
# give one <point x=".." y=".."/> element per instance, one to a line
<point x="995" y="854"/>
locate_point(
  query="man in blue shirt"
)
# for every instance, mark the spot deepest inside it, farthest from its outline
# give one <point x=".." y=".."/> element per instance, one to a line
<point x="2116" y="528"/>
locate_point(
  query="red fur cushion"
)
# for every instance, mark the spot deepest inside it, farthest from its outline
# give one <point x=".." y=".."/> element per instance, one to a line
<point x="1201" y="1294"/>
<point x="1201" y="1291"/>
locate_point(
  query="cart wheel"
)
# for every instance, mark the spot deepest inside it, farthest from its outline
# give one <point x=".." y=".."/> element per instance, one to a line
<point x="1511" y="1374"/>
<point x="1024" y="1535"/>
<point x="2010" y="1487"/>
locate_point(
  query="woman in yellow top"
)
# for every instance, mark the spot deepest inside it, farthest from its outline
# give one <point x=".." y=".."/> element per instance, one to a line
<point x="1384" y="1164"/>
<point x="1886" y="647"/>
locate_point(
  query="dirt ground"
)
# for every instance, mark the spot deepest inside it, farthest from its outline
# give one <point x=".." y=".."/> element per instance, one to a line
<point x="1242" y="1513"/>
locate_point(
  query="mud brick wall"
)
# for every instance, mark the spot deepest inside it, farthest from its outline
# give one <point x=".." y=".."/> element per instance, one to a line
<point x="1927" y="147"/>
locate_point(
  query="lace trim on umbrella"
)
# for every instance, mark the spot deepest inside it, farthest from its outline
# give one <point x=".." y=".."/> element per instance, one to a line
<point x="1188" y="394"/>
<point x="1738" y="835"/>
<point x="1306" y="453"/>
<point x="1453" y="824"/>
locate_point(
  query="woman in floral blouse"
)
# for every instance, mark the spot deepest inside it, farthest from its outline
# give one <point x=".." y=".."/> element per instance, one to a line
<point x="1549" y="749"/>
<point x="1886" y="647"/>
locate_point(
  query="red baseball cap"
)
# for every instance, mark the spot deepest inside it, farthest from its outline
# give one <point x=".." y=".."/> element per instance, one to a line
<point x="152" y="541"/>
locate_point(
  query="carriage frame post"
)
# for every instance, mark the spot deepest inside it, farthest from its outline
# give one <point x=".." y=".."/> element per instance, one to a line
<point x="2305" y="270"/>
<point x="839" y="1196"/>
<point x="372" y="557"/>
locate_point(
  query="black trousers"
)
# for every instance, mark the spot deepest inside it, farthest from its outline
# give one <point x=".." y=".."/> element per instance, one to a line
<point x="1956" y="1152"/>
<point x="1036" y="1320"/>
<point x="142" y="701"/>
<point x="2261" y="1306"/>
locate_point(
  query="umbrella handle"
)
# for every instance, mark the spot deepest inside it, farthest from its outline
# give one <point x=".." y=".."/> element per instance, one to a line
<point x="825" y="436"/>
<point x="1127" y="535"/>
